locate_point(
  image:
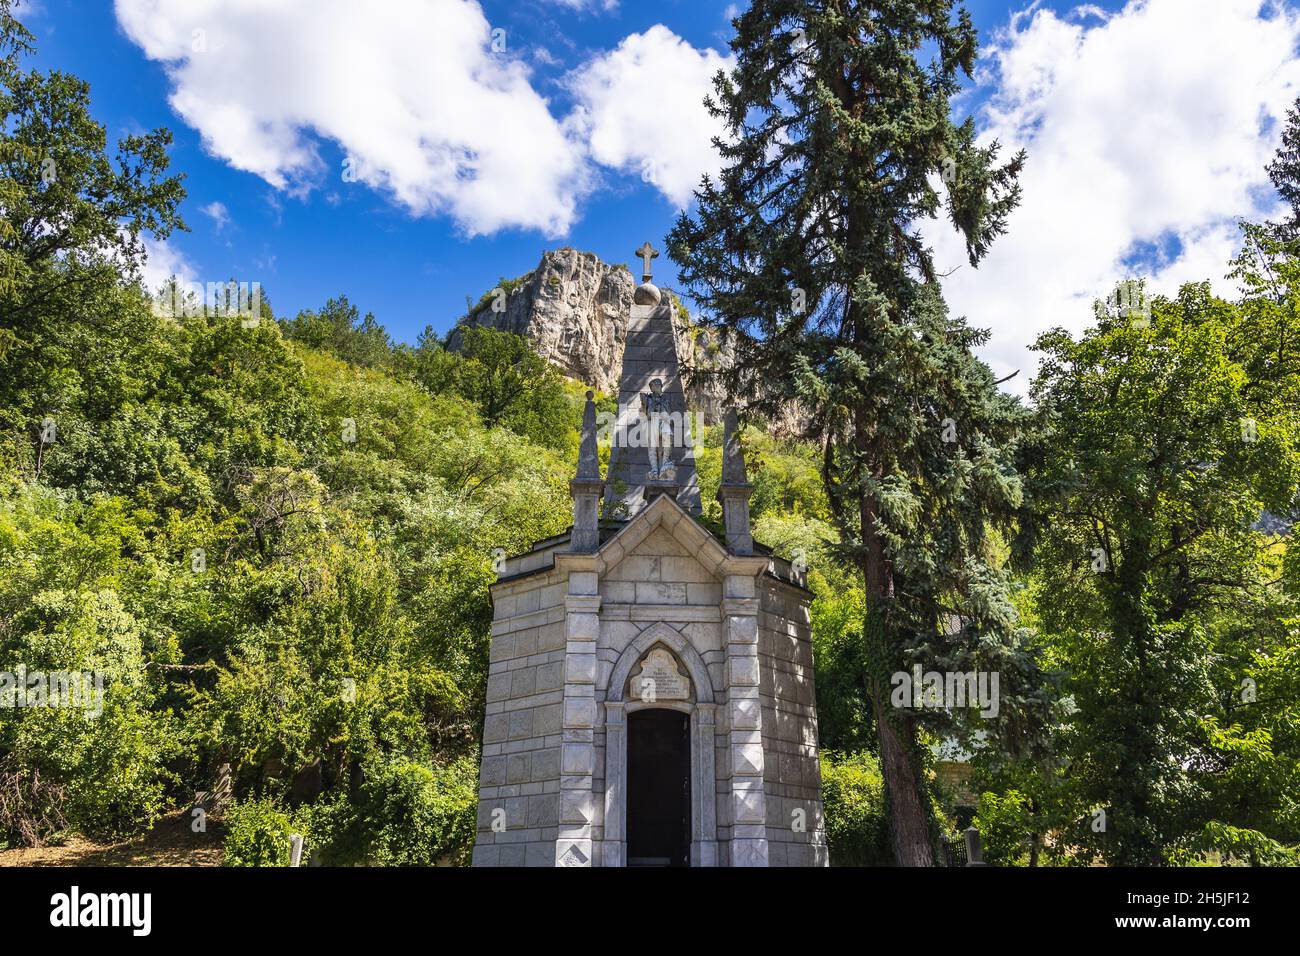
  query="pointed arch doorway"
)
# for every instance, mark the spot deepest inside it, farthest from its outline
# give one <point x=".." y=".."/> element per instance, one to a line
<point x="690" y="743"/>
<point x="658" y="788"/>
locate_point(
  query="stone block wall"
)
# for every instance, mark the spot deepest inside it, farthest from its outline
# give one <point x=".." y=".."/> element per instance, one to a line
<point x="791" y="771"/>
<point x="520" y="775"/>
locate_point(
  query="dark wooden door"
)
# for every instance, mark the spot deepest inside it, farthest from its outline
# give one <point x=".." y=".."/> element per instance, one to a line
<point x="658" y="788"/>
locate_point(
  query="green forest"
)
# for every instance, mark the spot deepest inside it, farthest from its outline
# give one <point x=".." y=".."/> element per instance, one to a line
<point x="274" y="534"/>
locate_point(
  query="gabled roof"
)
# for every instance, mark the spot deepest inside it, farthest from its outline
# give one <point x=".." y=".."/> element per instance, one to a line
<point x="664" y="512"/>
<point x="623" y="538"/>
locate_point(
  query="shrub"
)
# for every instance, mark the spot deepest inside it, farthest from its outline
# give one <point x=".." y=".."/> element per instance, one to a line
<point x="853" y="795"/>
<point x="418" y="815"/>
<point x="1004" y="823"/>
<point x="257" y="833"/>
<point x="337" y="835"/>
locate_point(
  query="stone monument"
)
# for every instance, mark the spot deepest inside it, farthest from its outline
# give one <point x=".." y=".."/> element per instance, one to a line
<point x="650" y="690"/>
<point x="654" y="428"/>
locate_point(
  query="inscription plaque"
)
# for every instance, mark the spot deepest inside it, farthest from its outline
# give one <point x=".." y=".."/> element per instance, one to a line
<point x="659" y="678"/>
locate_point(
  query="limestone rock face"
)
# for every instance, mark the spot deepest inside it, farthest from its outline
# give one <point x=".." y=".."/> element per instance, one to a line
<point x="574" y="308"/>
<point x="699" y="354"/>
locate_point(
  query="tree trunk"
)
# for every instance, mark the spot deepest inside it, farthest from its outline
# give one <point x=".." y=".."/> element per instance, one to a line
<point x="1137" y="777"/>
<point x="909" y="824"/>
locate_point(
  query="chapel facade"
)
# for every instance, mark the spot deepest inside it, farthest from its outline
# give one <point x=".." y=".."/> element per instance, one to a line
<point x="650" y="693"/>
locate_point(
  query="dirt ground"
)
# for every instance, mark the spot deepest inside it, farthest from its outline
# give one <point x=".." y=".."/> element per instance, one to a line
<point x="169" y="843"/>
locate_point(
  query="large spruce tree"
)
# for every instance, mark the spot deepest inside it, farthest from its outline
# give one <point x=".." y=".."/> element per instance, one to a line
<point x="1284" y="171"/>
<point x="805" y="251"/>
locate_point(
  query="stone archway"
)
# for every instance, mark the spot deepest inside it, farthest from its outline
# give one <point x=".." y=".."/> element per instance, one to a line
<point x="699" y="704"/>
<point x="681" y="648"/>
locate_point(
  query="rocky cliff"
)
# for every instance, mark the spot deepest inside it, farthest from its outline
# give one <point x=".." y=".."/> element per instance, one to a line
<point x="574" y="309"/>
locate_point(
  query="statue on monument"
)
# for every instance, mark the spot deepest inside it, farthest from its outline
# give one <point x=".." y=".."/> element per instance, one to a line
<point x="660" y="433"/>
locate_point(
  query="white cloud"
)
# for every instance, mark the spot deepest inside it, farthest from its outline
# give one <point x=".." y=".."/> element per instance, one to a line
<point x="162" y="261"/>
<point x="1085" y="10"/>
<point x="584" y="5"/>
<point x="641" y="110"/>
<point x="544" y="56"/>
<point x="409" y="89"/>
<point x="1142" y="130"/>
<point x="412" y="92"/>
<point x="218" y="213"/>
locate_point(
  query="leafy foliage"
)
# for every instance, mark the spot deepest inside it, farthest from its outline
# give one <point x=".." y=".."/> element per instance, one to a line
<point x="338" y="328"/>
<point x="1164" y="453"/>
<point x="509" y="384"/>
<point x="273" y="543"/>
<point x="853" y="794"/>
<point x="421" y="816"/>
<point x="64" y="198"/>
<point x="1284" y="171"/>
<point x="258" y="832"/>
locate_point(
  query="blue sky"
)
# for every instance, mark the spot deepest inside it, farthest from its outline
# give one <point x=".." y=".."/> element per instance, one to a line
<point x="266" y="109"/>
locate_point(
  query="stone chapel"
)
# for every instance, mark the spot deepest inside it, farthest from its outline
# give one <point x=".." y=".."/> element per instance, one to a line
<point x="650" y="692"/>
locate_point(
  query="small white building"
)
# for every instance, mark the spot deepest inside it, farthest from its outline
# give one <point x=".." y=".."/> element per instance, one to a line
<point x="650" y="695"/>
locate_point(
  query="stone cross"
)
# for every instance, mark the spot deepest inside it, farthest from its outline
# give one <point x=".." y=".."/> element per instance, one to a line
<point x="646" y="253"/>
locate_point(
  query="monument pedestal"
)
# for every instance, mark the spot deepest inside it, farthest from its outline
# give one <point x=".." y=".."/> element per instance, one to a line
<point x="653" y="489"/>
